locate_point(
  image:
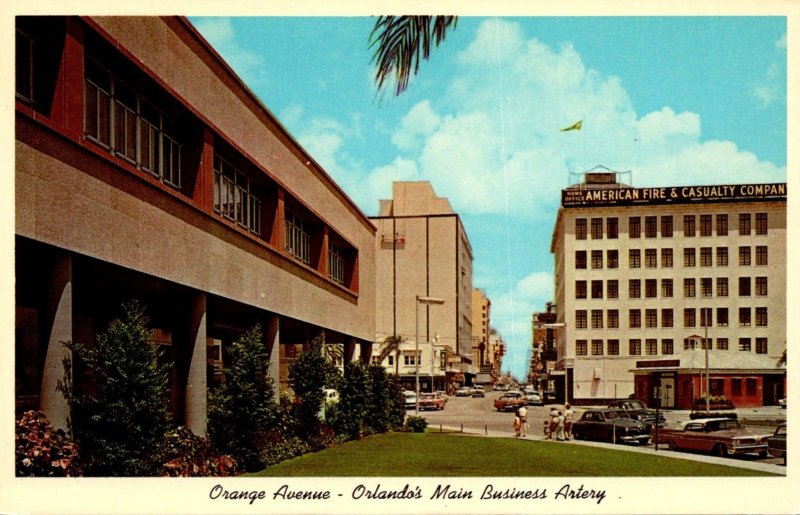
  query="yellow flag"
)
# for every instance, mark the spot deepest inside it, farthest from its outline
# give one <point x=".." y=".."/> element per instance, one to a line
<point x="574" y="127"/>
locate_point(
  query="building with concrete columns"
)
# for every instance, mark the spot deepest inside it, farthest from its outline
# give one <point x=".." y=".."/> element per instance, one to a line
<point x="650" y="281"/>
<point x="145" y="168"/>
<point x="423" y="251"/>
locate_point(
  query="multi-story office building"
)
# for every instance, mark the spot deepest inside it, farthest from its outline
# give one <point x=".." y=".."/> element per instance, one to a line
<point x="644" y="274"/>
<point x="146" y="169"/>
<point x="481" y="324"/>
<point x="423" y="251"/>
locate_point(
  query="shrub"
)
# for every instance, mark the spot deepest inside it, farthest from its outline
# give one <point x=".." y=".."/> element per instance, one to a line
<point x="181" y="453"/>
<point x="386" y="406"/>
<point x="309" y="374"/>
<point x="285" y="449"/>
<point x="354" y="399"/>
<point x="122" y="414"/>
<point x="242" y="411"/>
<point x="416" y="424"/>
<point x="43" y="450"/>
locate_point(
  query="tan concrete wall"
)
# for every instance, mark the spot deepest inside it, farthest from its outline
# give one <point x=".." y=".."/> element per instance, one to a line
<point x="65" y="207"/>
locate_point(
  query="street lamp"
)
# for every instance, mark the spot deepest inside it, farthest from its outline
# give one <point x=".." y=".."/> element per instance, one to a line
<point x="428" y="301"/>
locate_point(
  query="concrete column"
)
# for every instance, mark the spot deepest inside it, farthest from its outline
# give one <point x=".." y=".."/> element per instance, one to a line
<point x="272" y="339"/>
<point x="59" y="324"/>
<point x="349" y="350"/>
<point x="196" y="398"/>
<point x="366" y="352"/>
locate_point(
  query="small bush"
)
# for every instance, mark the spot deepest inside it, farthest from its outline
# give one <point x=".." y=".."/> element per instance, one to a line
<point x="416" y="424"/>
<point x="286" y="449"/>
<point x="181" y="453"/>
<point x="43" y="450"/>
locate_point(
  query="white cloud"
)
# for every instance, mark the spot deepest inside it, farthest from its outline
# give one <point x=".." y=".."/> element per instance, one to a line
<point x="420" y="122"/>
<point x="221" y="34"/>
<point x="780" y="44"/>
<point x="512" y="313"/>
<point x="773" y="84"/>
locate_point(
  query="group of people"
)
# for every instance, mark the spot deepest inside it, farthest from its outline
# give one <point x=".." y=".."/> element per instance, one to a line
<point x="558" y="425"/>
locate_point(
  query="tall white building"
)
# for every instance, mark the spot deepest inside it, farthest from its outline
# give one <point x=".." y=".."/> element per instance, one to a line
<point x="643" y="274"/>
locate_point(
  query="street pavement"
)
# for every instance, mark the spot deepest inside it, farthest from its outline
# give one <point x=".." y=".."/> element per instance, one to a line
<point x="477" y="416"/>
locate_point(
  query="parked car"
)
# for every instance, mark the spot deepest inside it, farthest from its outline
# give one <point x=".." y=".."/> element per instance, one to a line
<point x="719" y="436"/>
<point x="331" y="395"/>
<point x="431" y="401"/>
<point x="534" y="398"/>
<point x="776" y="444"/>
<point x="464" y="391"/>
<point x="498" y="388"/>
<point x="782" y="403"/>
<point x="509" y="401"/>
<point x="637" y="410"/>
<point x="610" y="425"/>
<point x="410" y="399"/>
<point x="477" y="391"/>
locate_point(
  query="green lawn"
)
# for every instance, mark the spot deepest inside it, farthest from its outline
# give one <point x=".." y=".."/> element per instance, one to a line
<point x="449" y="455"/>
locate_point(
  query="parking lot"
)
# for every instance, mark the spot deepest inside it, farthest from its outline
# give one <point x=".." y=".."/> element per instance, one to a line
<point x="478" y="416"/>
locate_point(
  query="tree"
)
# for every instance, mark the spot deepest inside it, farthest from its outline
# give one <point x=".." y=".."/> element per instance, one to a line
<point x="399" y="40"/>
<point x="242" y="412"/>
<point x="122" y="412"/>
<point x="309" y="374"/>
<point x="389" y="345"/>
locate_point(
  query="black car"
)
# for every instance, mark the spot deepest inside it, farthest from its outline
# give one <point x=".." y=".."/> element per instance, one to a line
<point x="610" y="425"/>
<point x="776" y="444"/>
<point x="637" y="410"/>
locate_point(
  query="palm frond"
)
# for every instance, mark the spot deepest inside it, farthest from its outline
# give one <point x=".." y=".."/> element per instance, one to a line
<point x="402" y="42"/>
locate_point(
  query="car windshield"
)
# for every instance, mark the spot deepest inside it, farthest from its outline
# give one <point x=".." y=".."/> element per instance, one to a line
<point x="426" y="395"/>
<point x="723" y="425"/>
<point x="615" y="414"/>
<point x="511" y="396"/>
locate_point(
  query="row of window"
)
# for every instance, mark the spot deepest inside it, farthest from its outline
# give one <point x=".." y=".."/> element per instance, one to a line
<point x="610" y="318"/>
<point x="746" y="254"/>
<point x="121" y="120"/>
<point x="692" y="226"/>
<point x="599" y="347"/>
<point x="651" y="288"/>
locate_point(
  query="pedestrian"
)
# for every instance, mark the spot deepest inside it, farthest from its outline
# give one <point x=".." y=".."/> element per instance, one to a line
<point x="547" y="429"/>
<point x="522" y="413"/>
<point x="559" y="426"/>
<point x="552" y="423"/>
<point x="517" y="425"/>
<point x="568" y="414"/>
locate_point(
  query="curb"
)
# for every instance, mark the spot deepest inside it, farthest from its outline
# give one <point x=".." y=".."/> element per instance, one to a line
<point x="730" y="462"/>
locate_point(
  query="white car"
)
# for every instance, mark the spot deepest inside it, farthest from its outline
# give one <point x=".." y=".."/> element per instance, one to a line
<point x="534" y="398"/>
<point x="410" y="399"/>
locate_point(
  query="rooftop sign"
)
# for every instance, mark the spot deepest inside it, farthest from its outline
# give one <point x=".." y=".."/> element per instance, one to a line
<point x="673" y="195"/>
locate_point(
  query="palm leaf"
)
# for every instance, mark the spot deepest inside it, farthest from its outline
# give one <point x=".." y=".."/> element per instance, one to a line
<point x="400" y="41"/>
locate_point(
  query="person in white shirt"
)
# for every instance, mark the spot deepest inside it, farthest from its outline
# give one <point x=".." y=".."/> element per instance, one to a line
<point x="522" y="413"/>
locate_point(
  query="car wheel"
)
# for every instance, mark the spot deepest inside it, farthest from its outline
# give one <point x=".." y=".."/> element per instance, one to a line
<point x="673" y="445"/>
<point x="720" y="450"/>
<point x="762" y="454"/>
<point x="577" y="435"/>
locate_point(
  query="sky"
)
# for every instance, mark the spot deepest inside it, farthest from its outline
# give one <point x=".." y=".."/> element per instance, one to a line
<point x="672" y="100"/>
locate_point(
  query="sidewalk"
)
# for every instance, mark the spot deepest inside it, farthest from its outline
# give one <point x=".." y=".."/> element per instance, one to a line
<point x="662" y="450"/>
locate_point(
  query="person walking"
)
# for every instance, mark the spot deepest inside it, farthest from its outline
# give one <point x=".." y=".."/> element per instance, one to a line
<point x="559" y="420"/>
<point x="550" y="430"/>
<point x="568" y="414"/>
<point x="522" y="413"/>
<point x="517" y="425"/>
